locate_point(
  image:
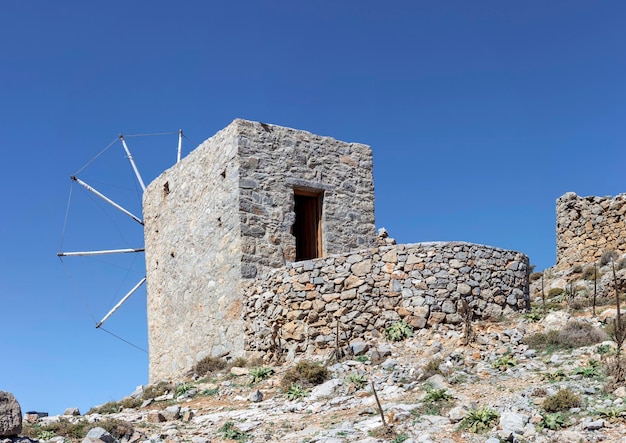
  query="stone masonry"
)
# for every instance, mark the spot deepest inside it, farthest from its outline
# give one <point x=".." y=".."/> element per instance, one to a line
<point x="586" y="227"/>
<point x="368" y="290"/>
<point x="225" y="214"/>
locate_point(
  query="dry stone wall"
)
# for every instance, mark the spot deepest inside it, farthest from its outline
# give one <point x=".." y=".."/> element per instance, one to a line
<point x="586" y="227"/>
<point x="369" y="290"/>
<point x="274" y="161"/>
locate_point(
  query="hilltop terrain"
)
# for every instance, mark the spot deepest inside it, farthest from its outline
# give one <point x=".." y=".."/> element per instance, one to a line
<point x="534" y="377"/>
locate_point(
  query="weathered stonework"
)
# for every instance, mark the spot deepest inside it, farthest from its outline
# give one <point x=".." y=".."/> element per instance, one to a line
<point x="224" y="214"/>
<point x="586" y="227"/>
<point x="421" y="283"/>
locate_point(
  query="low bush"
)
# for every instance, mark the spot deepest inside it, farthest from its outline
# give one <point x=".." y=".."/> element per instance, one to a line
<point x="577" y="269"/>
<point x="209" y="364"/>
<point x="480" y="419"/>
<point x="305" y="373"/>
<point x="590" y="273"/>
<point x="432" y="367"/>
<point x="575" y="334"/>
<point x="608" y="257"/>
<point x="562" y="401"/>
<point x="111" y="407"/>
<point x="260" y="373"/>
<point x="157" y="390"/>
<point x="535" y="276"/>
<point x="398" y="331"/>
<point x="554" y="292"/>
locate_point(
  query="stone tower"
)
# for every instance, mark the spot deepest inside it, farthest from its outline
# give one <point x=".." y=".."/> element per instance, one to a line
<point x="251" y="198"/>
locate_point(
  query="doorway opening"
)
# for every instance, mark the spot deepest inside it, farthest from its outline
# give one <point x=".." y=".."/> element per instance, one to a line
<point x="308" y="226"/>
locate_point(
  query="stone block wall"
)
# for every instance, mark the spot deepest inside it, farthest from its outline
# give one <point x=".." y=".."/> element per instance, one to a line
<point x="586" y="227"/>
<point x="193" y="258"/>
<point x="370" y="289"/>
<point x="274" y="161"/>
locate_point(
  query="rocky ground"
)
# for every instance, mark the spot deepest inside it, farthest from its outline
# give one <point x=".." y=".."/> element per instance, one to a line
<point x="431" y="386"/>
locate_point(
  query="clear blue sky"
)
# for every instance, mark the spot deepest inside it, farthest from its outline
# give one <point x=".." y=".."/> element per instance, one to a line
<point x="480" y="114"/>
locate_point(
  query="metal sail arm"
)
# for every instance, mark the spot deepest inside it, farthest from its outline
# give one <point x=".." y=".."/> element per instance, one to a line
<point x="180" y="145"/>
<point x="121" y="302"/>
<point x="106" y="199"/>
<point x="132" y="163"/>
<point x="100" y="252"/>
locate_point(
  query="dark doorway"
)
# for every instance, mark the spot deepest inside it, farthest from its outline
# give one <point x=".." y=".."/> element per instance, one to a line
<point x="308" y="226"/>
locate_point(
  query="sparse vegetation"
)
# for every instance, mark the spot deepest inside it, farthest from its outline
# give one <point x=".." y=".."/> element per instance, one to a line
<point x="208" y="365"/>
<point x="607" y="257"/>
<point x="590" y="370"/>
<point x="535" y="276"/>
<point x="358" y="380"/>
<point x="260" y="373"/>
<point x="554" y="421"/>
<point x="305" y="373"/>
<point x="296" y="392"/>
<point x="230" y="432"/>
<point x="555" y="292"/>
<point x="575" y="334"/>
<point x="183" y="388"/>
<point x="76" y="431"/>
<point x="505" y="362"/>
<point x="111" y="407"/>
<point x="590" y="273"/>
<point x="479" y="420"/>
<point x="432" y="367"/>
<point x="563" y="400"/>
<point x="398" y="331"/>
<point x="157" y="390"/>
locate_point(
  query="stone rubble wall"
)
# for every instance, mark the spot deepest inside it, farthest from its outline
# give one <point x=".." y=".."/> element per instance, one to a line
<point x="586" y="227"/>
<point x="371" y="289"/>
<point x="273" y="161"/>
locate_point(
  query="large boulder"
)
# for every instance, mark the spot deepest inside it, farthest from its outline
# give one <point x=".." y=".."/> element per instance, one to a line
<point x="10" y="415"/>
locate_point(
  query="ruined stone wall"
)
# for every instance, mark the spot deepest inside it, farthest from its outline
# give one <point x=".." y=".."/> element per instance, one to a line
<point x="193" y="258"/>
<point x="274" y="161"/>
<point x="586" y="227"/>
<point x="371" y="289"/>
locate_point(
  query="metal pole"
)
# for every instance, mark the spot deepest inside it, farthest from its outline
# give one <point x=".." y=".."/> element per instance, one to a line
<point x="180" y="144"/>
<point x="101" y="252"/>
<point x="106" y="199"/>
<point x="117" y="306"/>
<point x="132" y="162"/>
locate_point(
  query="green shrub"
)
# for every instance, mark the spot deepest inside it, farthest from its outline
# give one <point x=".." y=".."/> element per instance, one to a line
<point x="553" y="421"/>
<point x="230" y="432"/>
<point x="398" y="331"/>
<point x="505" y="362"/>
<point x="260" y="373"/>
<point x="590" y="370"/>
<point x="305" y="373"/>
<point x="358" y="380"/>
<point x="562" y="401"/>
<point x="183" y="388"/>
<point x="296" y="392"/>
<point x="479" y="420"/>
<point x="210" y="391"/>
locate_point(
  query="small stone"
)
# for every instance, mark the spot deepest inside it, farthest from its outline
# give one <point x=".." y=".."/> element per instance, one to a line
<point x="154" y="417"/>
<point x="594" y="425"/>
<point x="237" y="371"/>
<point x="99" y="435"/>
<point x="256" y="396"/>
<point x="71" y="411"/>
<point x="389" y="364"/>
<point x="359" y="347"/>
<point x="171" y="412"/>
